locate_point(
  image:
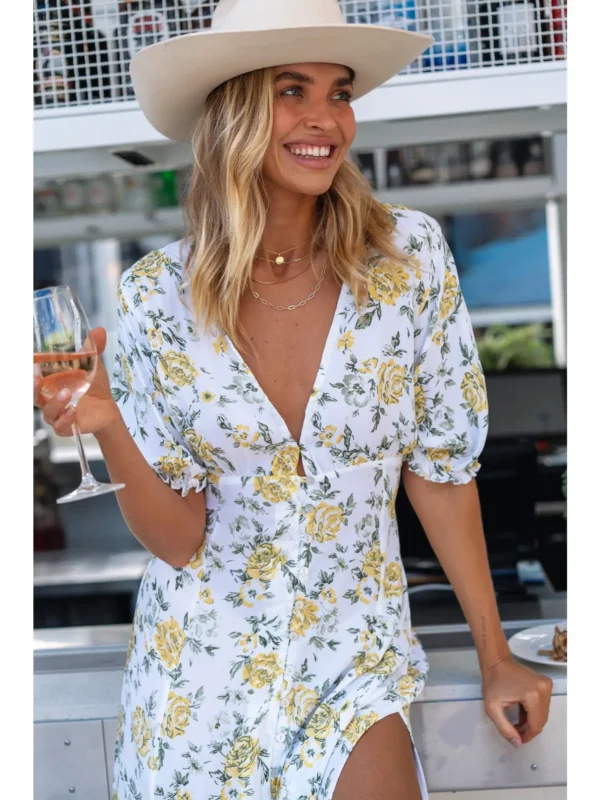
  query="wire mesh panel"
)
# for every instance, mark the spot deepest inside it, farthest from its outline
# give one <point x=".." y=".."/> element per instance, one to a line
<point x="82" y="48"/>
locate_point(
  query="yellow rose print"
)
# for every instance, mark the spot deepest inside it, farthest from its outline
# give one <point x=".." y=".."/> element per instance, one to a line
<point x="182" y="795"/>
<point x="368" y="365"/>
<point x="359" y="460"/>
<point x="367" y="590"/>
<point x="328" y="594"/>
<point x="142" y="733"/>
<point x="392" y="382"/>
<point x="248" y="642"/>
<point x="169" y="640"/>
<point x="358" y="726"/>
<point x="387" y="281"/>
<point x="285" y="462"/>
<point x="240" y="761"/>
<point x="414" y="264"/>
<point x="197" y="559"/>
<point x="406" y="685"/>
<point x="241" y="434"/>
<point x="304" y="615"/>
<point x="122" y="301"/>
<point x="274" y="489"/>
<point x="153" y="763"/>
<point x="207" y="396"/>
<point x="311" y="752"/>
<point x="206" y="596"/>
<point x="322" y="722"/>
<point x="474" y="390"/>
<point x="275" y="788"/>
<point x="127" y="372"/>
<point x="177" y="716"/>
<point x="438" y="454"/>
<point x="173" y="466"/>
<point x="438" y="338"/>
<point x="262" y="670"/>
<point x="449" y="295"/>
<point x="327" y="435"/>
<point x="264" y="561"/>
<point x="324" y="522"/>
<point x="424" y="300"/>
<point x="386" y="665"/>
<point x="346" y="341"/>
<point x="300" y="703"/>
<point x="372" y="561"/>
<point x="220" y="345"/>
<point x="155" y="337"/>
<point x="178" y="368"/>
<point x="367" y="640"/>
<point x="365" y="662"/>
<point x="392" y="582"/>
<point x="151" y="266"/>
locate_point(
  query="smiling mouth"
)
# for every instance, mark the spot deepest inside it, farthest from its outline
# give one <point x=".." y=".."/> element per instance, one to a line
<point x="312" y="156"/>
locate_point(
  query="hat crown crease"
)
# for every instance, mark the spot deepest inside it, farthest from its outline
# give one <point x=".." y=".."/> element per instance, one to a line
<point x="263" y="14"/>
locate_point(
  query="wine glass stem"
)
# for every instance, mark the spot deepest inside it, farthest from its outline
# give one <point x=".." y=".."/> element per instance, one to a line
<point x="86" y="475"/>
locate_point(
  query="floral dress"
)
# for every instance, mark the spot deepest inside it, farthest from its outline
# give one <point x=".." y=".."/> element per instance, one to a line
<point x="253" y="671"/>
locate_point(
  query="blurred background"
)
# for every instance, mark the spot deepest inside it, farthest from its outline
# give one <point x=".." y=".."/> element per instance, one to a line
<point x="473" y="133"/>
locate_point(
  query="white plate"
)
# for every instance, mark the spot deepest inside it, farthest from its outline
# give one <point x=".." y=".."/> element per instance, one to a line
<point x="526" y="644"/>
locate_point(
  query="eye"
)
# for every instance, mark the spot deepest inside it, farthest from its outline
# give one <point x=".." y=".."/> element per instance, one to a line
<point x="345" y="95"/>
<point x="284" y="93"/>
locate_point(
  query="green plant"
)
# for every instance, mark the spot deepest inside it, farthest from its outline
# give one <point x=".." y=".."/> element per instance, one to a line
<point x="526" y="346"/>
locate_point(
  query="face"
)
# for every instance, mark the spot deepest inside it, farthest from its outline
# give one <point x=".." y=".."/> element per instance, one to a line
<point x="313" y="127"/>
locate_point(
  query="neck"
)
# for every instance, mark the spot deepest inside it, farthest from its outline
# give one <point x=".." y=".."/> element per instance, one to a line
<point x="291" y="222"/>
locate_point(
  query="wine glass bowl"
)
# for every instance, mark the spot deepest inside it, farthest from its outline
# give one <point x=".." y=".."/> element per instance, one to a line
<point x="65" y="357"/>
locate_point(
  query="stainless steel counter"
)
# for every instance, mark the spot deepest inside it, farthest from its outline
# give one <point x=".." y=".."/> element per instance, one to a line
<point x="77" y="683"/>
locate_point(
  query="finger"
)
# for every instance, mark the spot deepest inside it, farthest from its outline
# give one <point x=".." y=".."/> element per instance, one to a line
<point x="38" y="400"/>
<point x="496" y="713"/>
<point x="537" y="706"/>
<point x="98" y="336"/>
<point x="63" y="425"/>
<point x="56" y="406"/>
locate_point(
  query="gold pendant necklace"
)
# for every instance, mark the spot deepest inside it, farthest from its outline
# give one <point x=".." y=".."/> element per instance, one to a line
<point x="280" y="259"/>
<point x="285" y="280"/>
<point x="297" y="305"/>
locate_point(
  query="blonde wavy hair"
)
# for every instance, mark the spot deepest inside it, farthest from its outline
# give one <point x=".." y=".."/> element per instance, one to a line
<point x="226" y="208"/>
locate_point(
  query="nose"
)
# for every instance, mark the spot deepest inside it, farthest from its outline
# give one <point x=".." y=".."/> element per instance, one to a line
<point x="319" y="116"/>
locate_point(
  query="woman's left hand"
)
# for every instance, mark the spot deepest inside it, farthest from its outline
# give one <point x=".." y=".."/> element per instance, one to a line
<point x="509" y="682"/>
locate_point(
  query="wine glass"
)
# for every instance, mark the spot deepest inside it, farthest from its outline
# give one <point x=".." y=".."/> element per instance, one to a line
<point x="65" y="357"/>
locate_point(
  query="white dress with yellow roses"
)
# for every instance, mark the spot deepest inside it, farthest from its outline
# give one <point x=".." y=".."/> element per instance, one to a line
<point x="254" y="670"/>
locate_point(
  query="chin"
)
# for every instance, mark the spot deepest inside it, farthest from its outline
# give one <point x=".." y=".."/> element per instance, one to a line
<point x="312" y="188"/>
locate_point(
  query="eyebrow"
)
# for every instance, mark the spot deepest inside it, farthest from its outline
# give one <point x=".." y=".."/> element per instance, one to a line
<point x="300" y="78"/>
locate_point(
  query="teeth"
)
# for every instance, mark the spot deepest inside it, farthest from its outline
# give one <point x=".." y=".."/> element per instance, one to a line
<point x="311" y="152"/>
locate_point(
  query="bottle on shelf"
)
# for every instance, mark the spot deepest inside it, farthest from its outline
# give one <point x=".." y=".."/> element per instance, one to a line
<point x="142" y="23"/>
<point x="101" y="194"/>
<point x="448" y="23"/>
<point x="556" y="48"/>
<point x="73" y="199"/>
<point x="366" y="164"/>
<point x="46" y="199"/>
<point x="529" y="156"/>
<point x="420" y="165"/>
<point x="164" y="190"/>
<point x="395" y="173"/>
<point x="480" y="160"/>
<point x="512" y="30"/>
<point x="135" y="193"/>
<point x="503" y="160"/>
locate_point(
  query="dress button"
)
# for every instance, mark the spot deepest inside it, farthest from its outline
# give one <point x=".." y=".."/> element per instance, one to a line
<point x="293" y="635"/>
<point x="304" y="572"/>
<point x="289" y="671"/>
<point x="280" y="737"/>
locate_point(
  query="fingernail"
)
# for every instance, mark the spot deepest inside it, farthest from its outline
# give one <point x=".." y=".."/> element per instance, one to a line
<point x="64" y="394"/>
<point x="516" y="742"/>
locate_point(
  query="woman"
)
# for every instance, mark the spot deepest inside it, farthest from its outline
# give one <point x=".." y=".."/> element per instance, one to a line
<point x="272" y="653"/>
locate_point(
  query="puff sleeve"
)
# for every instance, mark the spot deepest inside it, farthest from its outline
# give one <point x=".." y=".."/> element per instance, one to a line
<point x="451" y="406"/>
<point x="137" y="391"/>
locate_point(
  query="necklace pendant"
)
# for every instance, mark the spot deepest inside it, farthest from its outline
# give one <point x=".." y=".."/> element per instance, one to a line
<point x="279" y="260"/>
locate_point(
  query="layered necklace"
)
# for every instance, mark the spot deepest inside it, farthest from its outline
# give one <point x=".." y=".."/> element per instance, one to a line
<point x="279" y="261"/>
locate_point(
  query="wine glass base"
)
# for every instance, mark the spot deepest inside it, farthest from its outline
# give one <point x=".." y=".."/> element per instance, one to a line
<point x="86" y="491"/>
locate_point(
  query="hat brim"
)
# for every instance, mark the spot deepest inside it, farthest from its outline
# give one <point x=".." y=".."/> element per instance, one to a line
<point x="172" y="79"/>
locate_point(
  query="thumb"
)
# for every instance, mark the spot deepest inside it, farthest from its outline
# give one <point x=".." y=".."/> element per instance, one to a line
<point x="98" y="336"/>
<point x="495" y="712"/>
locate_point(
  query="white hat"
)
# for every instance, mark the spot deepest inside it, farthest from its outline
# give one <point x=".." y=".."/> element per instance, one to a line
<point x="173" y="78"/>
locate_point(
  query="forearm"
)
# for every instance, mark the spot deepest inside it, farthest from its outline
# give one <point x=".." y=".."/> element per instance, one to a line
<point x="168" y="525"/>
<point x="451" y="518"/>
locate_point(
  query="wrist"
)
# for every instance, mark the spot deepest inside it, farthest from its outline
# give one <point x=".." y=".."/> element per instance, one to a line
<point x="113" y="422"/>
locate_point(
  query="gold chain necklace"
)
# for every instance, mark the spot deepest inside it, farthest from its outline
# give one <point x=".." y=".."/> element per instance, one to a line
<point x="280" y="259"/>
<point x="285" y="280"/>
<point x="297" y="305"/>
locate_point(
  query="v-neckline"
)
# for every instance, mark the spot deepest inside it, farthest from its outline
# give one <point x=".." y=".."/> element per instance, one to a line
<point x="317" y="381"/>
